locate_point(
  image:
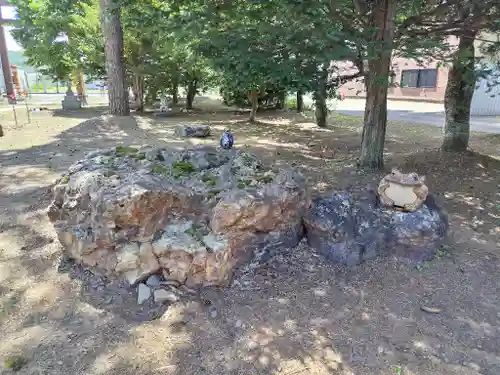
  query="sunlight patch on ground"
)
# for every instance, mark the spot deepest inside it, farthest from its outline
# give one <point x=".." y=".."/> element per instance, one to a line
<point x="42" y="293"/>
<point x="31" y="178"/>
<point x="19" y="340"/>
<point x="269" y="142"/>
<point x="278" y="121"/>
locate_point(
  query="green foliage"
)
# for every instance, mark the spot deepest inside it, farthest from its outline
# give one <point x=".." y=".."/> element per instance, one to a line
<point x="182" y="168"/>
<point x="159" y="169"/>
<point x="124" y="150"/>
<point x="15" y="362"/>
<point x="43" y="27"/>
<point x="209" y="180"/>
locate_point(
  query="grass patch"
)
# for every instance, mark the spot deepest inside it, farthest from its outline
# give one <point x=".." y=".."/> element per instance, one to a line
<point x="125" y="150"/>
<point x="209" y="180"/>
<point x="159" y="169"/>
<point x="140" y="156"/>
<point x="182" y="168"/>
<point x="15" y="362"/>
<point x="197" y="234"/>
<point x="264" y="179"/>
<point x="241" y="185"/>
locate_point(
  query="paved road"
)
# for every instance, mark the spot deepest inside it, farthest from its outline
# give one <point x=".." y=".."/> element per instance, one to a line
<point x="40" y="100"/>
<point x="414" y="112"/>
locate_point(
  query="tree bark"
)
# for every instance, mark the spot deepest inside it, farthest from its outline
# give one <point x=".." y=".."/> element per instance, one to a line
<point x="320" y="97"/>
<point x="175" y="93"/>
<point x="377" y="85"/>
<point x="300" y="101"/>
<point x="281" y="100"/>
<point x="152" y="95"/>
<point x="254" y="100"/>
<point x="191" y="93"/>
<point x="458" y="96"/>
<point x="80" y="87"/>
<point x="115" y="67"/>
<point x="138" y="88"/>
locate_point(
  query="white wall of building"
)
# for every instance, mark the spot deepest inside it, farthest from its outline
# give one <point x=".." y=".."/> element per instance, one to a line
<point x="486" y="101"/>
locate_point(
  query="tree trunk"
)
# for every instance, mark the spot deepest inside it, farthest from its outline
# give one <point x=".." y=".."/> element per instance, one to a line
<point x="80" y="87"/>
<point x="321" y="112"/>
<point x="300" y="101"/>
<point x="281" y="99"/>
<point x="458" y="96"/>
<point x="115" y="68"/>
<point x="152" y="95"/>
<point x="254" y="100"/>
<point x="138" y="89"/>
<point x="377" y="85"/>
<point x="175" y="93"/>
<point x="191" y="93"/>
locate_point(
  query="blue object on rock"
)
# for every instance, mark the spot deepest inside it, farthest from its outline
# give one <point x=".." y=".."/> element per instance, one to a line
<point x="226" y="140"/>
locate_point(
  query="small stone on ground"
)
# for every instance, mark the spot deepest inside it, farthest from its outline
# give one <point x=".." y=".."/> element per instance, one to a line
<point x="162" y="295"/>
<point x="143" y="293"/>
<point x="153" y="281"/>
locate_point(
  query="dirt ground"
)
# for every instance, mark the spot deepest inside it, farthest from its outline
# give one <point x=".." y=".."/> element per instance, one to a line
<point x="296" y="315"/>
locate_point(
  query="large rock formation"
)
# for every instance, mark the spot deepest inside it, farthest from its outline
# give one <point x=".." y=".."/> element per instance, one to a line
<point x="349" y="230"/>
<point x="193" y="215"/>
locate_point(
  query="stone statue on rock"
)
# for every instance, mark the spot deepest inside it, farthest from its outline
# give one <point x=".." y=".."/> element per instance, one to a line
<point x="405" y="191"/>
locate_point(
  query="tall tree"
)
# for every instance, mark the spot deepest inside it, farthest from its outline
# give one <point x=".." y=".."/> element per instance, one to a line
<point x="465" y="69"/>
<point x="458" y="95"/>
<point x="115" y="66"/>
<point x="464" y="20"/>
<point x="381" y="18"/>
<point x="60" y="38"/>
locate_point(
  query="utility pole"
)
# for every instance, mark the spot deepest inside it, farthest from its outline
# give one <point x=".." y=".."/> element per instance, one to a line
<point x="4" y="54"/>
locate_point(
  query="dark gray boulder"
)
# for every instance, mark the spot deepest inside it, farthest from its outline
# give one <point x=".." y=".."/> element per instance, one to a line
<point x="416" y="236"/>
<point x="350" y="230"/>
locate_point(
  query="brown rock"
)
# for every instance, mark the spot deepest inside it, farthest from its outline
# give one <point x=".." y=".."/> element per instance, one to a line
<point x="162" y="295"/>
<point x="102" y="258"/>
<point x="149" y="261"/>
<point x="176" y="265"/>
<point x="219" y="269"/>
<point x="272" y="208"/>
<point x="127" y="257"/>
<point x="194" y="214"/>
<point x="197" y="271"/>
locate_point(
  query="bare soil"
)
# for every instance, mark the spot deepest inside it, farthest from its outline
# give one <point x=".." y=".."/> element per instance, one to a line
<point x="295" y="315"/>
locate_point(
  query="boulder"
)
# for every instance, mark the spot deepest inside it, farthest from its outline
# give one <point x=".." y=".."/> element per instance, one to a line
<point x="193" y="215"/>
<point x="195" y="131"/>
<point x="350" y="230"/>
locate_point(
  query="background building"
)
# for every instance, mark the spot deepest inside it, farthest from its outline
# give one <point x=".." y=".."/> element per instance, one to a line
<point x="413" y="81"/>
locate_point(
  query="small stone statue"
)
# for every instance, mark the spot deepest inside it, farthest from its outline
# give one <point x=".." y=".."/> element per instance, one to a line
<point x="406" y="191"/>
<point x="226" y="140"/>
